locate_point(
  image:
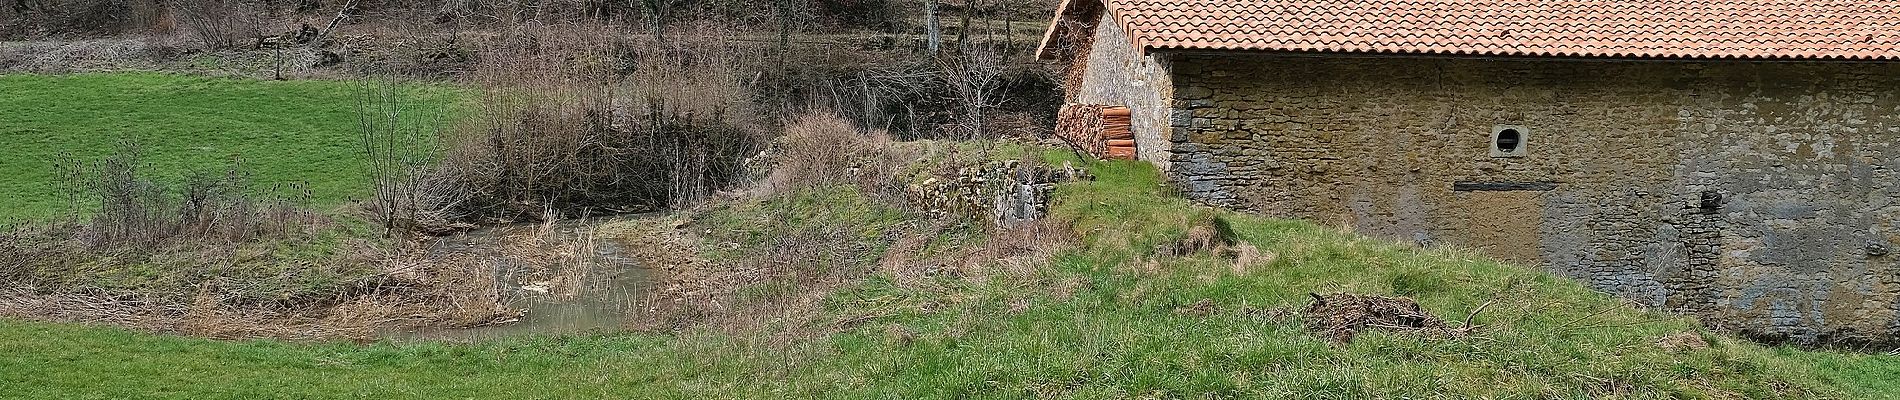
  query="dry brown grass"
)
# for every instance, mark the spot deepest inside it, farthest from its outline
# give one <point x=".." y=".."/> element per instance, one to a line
<point x="578" y="120"/>
<point x="58" y="57"/>
<point x="443" y="290"/>
<point x="1009" y="258"/>
<point x="222" y="24"/>
<point x="822" y="149"/>
<point x="1006" y="253"/>
<point x="411" y="293"/>
<point x="35" y="19"/>
<point x="1339" y="317"/>
<point x="215" y="256"/>
<point x="687" y="287"/>
<point x="116" y="203"/>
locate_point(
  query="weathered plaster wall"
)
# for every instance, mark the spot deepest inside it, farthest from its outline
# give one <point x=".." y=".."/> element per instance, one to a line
<point x="1798" y="163"/>
<point x="1119" y="75"/>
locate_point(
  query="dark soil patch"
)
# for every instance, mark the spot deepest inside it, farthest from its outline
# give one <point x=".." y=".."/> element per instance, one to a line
<point x="1341" y="316"/>
<point x="1202" y="308"/>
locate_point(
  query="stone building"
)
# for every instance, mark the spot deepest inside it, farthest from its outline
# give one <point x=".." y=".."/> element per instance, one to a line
<point x="1733" y="159"/>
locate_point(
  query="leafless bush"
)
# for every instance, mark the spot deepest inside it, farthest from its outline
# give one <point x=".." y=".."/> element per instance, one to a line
<point x="580" y="120"/>
<point x="400" y="148"/>
<point x="512" y="12"/>
<point x="28" y="18"/>
<point x="538" y="157"/>
<point x="974" y="76"/>
<point x="822" y="149"/>
<point x="134" y="210"/>
<point x="13" y="13"/>
<point x="221" y="24"/>
<point x="211" y="252"/>
<point x="953" y="95"/>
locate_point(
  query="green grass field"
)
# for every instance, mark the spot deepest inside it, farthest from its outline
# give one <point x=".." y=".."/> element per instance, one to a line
<point x="292" y="131"/>
<point x="1099" y="321"/>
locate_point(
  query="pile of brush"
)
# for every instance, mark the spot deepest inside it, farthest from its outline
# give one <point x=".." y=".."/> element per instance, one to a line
<point x="1101" y="131"/>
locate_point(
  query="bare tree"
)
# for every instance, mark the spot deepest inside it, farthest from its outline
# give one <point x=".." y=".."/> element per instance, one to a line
<point x="963" y="30"/>
<point x="933" y="28"/>
<point x="341" y="14"/>
<point x="974" y="76"/>
<point x="397" y="147"/>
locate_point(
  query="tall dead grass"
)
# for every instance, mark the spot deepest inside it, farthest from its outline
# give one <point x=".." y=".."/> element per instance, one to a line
<point x="587" y="120"/>
<point x="823" y="149"/>
<point x="115" y="203"/>
<point x="218" y="24"/>
<point x="413" y="293"/>
<point x="213" y="254"/>
<point x="22" y="19"/>
<point x="223" y="24"/>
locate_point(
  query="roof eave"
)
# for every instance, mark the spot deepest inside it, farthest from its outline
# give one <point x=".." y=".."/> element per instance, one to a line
<point x="1175" y="50"/>
<point x="1046" y="49"/>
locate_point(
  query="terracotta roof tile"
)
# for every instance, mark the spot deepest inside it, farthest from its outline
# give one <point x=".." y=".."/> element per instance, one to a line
<point x="1720" y="29"/>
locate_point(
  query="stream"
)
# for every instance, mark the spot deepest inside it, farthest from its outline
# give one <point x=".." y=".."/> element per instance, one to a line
<point x="598" y="297"/>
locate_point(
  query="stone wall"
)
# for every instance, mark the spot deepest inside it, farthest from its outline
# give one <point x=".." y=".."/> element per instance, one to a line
<point x="1119" y="75"/>
<point x="1001" y="194"/>
<point x="1764" y="197"/>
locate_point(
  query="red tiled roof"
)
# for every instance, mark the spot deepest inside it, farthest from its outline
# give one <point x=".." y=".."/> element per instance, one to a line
<point x="1681" y="29"/>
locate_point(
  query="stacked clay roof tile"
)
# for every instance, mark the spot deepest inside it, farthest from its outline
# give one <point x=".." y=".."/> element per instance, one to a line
<point x="1666" y="29"/>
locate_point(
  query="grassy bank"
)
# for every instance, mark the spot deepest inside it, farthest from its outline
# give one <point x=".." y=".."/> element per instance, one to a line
<point x="290" y="131"/>
<point x="1113" y="316"/>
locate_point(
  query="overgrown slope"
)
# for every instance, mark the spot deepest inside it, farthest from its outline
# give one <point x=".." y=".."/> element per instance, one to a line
<point x="1124" y="311"/>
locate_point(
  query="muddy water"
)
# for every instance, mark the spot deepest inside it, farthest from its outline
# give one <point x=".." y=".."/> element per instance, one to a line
<point x="557" y="300"/>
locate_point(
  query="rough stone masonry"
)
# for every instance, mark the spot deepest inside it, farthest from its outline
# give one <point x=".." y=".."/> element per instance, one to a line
<point x="1761" y="196"/>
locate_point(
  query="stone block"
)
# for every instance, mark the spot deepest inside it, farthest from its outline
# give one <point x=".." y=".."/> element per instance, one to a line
<point x="1193" y="93"/>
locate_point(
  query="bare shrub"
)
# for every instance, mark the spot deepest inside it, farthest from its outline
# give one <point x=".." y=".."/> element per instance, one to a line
<point x="133" y="209"/>
<point x="822" y="149"/>
<point x="974" y="77"/>
<point x="955" y="95"/>
<point x="577" y="121"/>
<point x="539" y="157"/>
<point x="871" y="14"/>
<point x="213" y="255"/>
<point x="221" y="24"/>
<point x="14" y="13"/>
<point x="400" y="147"/>
<point x="704" y="73"/>
<point x="25" y="18"/>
